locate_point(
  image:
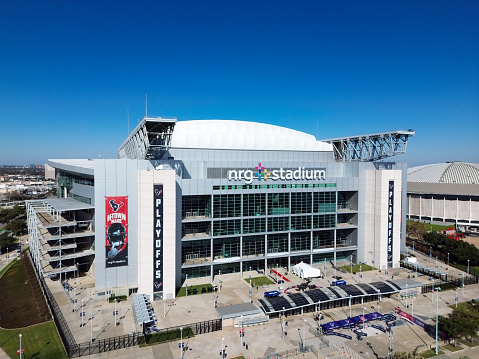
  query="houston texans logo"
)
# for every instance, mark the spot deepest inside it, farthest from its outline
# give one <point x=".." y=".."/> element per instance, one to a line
<point x="158" y="285"/>
<point x="158" y="192"/>
<point x="115" y="206"/>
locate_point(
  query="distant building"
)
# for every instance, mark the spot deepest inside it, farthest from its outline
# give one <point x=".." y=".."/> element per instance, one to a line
<point x="444" y="192"/>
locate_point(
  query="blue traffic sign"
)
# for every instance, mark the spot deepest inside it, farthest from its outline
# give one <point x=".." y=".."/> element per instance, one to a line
<point x="181" y="345"/>
<point x="82" y="314"/>
<point x="74" y="300"/>
<point x="115" y="313"/>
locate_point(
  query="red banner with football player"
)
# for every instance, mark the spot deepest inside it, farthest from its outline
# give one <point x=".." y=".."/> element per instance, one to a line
<point x="116" y="231"/>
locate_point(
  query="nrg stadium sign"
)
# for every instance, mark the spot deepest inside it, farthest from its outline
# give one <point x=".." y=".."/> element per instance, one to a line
<point x="262" y="173"/>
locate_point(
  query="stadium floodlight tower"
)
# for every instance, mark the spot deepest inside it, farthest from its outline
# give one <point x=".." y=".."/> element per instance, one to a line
<point x="370" y="147"/>
<point x="149" y="140"/>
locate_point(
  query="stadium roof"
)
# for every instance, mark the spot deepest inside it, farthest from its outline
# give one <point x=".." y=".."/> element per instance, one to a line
<point x="153" y="137"/>
<point x="238" y="135"/>
<point x="455" y="178"/>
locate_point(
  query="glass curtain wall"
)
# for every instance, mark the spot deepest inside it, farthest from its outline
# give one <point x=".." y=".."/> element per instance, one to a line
<point x="253" y="246"/>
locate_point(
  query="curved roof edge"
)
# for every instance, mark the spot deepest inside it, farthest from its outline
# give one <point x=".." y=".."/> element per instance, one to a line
<point x="242" y="135"/>
<point x="456" y="172"/>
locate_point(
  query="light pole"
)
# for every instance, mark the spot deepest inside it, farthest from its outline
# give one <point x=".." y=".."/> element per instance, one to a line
<point x="241" y="331"/>
<point x="319" y="317"/>
<point x="222" y="347"/>
<point x="430" y="254"/>
<point x="363" y="317"/>
<point x="436" y="263"/>
<point x="250" y="288"/>
<point x="447" y="267"/>
<point x="351" y="264"/>
<point x="20" y="336"/>
<point x="360" y="274"/>
<point x="82" y="313"/>
<point x="437" y="308"/>
<point x="304" y="331"/>
<point x="350" y="306"/>
<point x="468" y="266"/>
<point x="325" y="267"/>
<point x="74" y="299"/>
<point x="463" y="283"/>
<point x="181" y="342"/>
<point x="116" y="323"/>
<point x="186" y="284"/>
<point x="412" y="313"/>
<point x="456" y="297"/>
<point x="107" y="291"/>
<point x="413" y="247"/>
<point x="379" y="301"/>
<point x="91" y="328"/>
<point x="406" y="296"/>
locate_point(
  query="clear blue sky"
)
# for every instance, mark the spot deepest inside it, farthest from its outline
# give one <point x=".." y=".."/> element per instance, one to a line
<point x="71" y="71"/>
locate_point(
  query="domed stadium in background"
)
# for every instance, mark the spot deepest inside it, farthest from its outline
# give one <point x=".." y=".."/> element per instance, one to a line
<point x="445" y="192"/>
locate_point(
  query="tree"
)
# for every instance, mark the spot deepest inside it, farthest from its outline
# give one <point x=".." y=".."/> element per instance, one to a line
<point x="17" y="226"/>
<point x="415" y="229"/>
<point x="6" y="240"/>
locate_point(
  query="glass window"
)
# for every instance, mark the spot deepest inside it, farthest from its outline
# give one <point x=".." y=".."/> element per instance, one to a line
<point x="195" y="252"/>
<point x="278" y="203"/>
<point x="277" y="243"/>
<point x="253" y="246"/>
<point x="300" y="241"/>
<point x="277" y="224"/>
<point x="323" y="239"/>
<point x="196" y="206"/>
<point x="301" y="202"/>
<point x="226" y="247"/>
<point x="324" y="202"/>
<point x="226" y="205"/>
<point x="324" y="221"/>
<point x="300" y="222"/>
<point x="226" y="227"/>
<point x="254" y="225"/>
<point x="254" y="204"/>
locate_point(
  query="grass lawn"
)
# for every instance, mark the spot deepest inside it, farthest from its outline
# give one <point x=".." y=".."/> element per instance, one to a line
<point x="7" y="266"/>
<point x="167" y="336"/>
<point x="434" y="227"/>
<point x="431" y="353"/>
<point x="259" y="281"/>
<point x="199" y="290"/>
<point x="452" y="348"/>
<point x="469" y="343"/>
<point x="21" y="298"/>
<point x="39" y="341"/>
<point x="364" y="268"/>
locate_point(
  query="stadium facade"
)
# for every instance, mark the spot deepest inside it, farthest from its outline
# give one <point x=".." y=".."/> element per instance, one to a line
<point x="189" y="199"/>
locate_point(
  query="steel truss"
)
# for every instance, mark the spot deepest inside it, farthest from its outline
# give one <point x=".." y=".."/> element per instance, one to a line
<point x="150" y="139"/>
<point x="371" y="147"/>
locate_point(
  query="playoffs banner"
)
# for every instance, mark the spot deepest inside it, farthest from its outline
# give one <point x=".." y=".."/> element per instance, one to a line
<point x="116" y="231"/>
<point x="390" y="220"/>
<point x="158" y="238"/>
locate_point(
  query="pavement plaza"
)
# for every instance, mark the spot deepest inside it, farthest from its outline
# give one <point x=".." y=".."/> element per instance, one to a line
<point x="262" y="340"/>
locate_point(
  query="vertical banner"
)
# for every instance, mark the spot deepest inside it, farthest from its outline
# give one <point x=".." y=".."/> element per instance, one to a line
<point x="116" y="231"/>
<point x="158" y="238"/>
<point x="390" y="220"/>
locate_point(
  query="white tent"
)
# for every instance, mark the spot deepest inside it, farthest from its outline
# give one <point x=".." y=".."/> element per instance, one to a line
<point x="304" y="270"/>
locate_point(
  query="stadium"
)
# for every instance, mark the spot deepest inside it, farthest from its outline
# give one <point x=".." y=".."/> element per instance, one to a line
<point x="189" y="199"/>
<point x="445" y="192"/>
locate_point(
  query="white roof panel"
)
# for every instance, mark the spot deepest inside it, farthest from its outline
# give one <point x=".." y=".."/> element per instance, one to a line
<point x="242" y="135"/>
